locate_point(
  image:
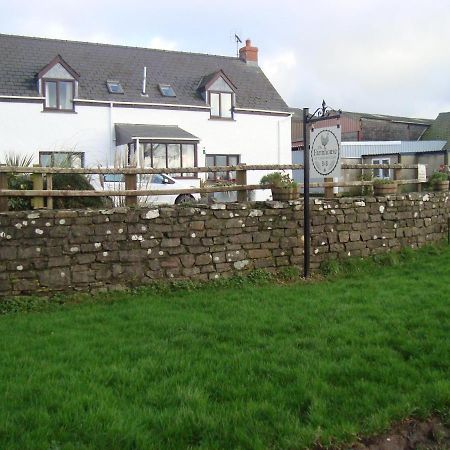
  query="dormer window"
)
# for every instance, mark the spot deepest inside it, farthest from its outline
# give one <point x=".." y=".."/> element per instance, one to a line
<point x="114" y="87"/>
<point x="219" y="92"/>
<point x="221" y="104"/>
<point x="167" y="90"/>
<point x="58" y="95"/>
<point x="58" y="83"/>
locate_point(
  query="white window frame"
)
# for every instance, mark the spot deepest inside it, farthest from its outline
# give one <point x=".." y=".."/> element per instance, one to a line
<point x="221" y="110"/>
<point x="378" y="173"/>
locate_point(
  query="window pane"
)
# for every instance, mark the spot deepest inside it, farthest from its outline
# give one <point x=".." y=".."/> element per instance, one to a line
<point x="50" y="94"/>
<point x="65" y="95"/>
<point x="188" y="157"/>
<point x="221" y="160"/>
<point x="76" y="160"/>
<point x="210" y="163"/>
<point x="45" y="160"/>
<point x="215" y="108"/>
<point x="62" y="160"/>
<point x="233" y="160"/>
<point x="147" y="152"/>
<point x="159" y="156"/>
<point x="376" y="172"/>
<point x="174" y="157"/>
<point x="225" y="105"/>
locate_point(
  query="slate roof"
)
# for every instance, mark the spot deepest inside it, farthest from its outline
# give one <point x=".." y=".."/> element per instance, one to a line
<point x="439" y="129"/>
<point x="23" y="57"/>
<point x="125" y="132"/>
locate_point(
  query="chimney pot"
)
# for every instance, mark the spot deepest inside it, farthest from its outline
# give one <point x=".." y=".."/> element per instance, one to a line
<point x="249" y="54"/>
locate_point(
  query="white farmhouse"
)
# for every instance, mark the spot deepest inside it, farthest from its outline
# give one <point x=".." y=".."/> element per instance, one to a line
<point x="154" y="107"/>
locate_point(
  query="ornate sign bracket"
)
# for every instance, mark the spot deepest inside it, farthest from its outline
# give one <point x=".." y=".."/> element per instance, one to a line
<point x="322" y="113"/>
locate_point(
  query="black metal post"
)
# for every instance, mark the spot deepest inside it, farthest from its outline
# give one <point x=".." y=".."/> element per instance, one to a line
<point x="306" y="208"/>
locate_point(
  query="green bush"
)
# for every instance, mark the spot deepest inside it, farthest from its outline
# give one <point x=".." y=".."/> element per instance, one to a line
<point x="75" y="181"/>
<point x="278" y="179"/>
<point x="437" y="177"/>
<point x="19" y="182"/>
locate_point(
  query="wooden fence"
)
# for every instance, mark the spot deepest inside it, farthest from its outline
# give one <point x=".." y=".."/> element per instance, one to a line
<point x="131" y="191"/>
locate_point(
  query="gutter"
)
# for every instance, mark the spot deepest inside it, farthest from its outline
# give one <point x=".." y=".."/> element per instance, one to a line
<point x="169" y="105"/>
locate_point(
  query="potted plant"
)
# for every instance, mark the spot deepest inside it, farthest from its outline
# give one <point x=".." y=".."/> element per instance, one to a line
<point x="439" y="181"/>
<point x="384" y="186"/>
<point x="282" y="186"/>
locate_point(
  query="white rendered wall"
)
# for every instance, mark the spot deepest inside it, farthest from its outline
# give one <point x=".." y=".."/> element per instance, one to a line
<point x="26" y="129"/>
<point x="257" y="138"/>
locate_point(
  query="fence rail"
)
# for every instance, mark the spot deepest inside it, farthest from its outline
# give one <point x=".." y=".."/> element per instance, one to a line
<point x="131" y="193"/>
<point x="149" y="171"/>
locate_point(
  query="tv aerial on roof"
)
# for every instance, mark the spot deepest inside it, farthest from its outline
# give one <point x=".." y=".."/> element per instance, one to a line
<point x="235" y="37"/>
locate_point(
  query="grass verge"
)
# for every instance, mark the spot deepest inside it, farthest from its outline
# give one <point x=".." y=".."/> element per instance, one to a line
<point x="238" y="366"/>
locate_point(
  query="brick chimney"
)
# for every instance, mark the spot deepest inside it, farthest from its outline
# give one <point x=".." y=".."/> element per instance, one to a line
<point x="248" y="53"/>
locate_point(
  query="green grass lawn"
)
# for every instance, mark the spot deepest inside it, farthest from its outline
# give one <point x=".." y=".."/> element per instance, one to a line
<point x="248" y="366"/>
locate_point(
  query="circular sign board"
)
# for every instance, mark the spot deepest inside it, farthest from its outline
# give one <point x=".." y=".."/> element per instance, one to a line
<point x="325" y="152"/>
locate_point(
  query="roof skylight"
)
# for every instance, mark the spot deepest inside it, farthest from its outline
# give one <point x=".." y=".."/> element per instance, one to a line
<point x="167" y="90"/>
<point x="114" y="87"/>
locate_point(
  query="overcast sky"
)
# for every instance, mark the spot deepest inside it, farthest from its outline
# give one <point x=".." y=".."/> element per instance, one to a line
<point x="378" y="56"/>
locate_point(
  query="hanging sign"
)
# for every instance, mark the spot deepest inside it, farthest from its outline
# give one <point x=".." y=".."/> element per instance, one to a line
<point x="325" y="154"/>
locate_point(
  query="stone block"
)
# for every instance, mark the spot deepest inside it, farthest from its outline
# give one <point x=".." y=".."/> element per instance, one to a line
<point x="259" y="253"/>
<point x="170" y="242"/>
<point x="170" y="263"/>
<point x="59" y="261"/>
<point x="187" y="260"/>
<point x="241" y="238"/>
<point x="8" y="253"/>
<point x="203" y="259"/>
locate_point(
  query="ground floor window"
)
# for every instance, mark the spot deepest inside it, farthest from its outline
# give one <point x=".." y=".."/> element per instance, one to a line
<point x="61" y="159"/>
<point x="170" y="155"/>
<point x="381" y="173"/>
<point x="222" y="160"/>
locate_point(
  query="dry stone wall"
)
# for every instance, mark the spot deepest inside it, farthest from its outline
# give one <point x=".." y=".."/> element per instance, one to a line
<point x="49" y="251"/>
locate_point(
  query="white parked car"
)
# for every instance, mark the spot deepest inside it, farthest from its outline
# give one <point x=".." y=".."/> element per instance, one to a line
<point x="113" y="182"/>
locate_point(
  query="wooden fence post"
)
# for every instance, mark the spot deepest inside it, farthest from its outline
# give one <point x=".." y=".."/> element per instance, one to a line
<point x="397" y="172"/>
<point x="130" y="185"/>
<point x="328" y="191"/>
<point x="38" y="185"/>
<point x="3" y="186"/>
<point x="49" y="178"/>
<point x="419" y="184"/>
<point x="241" y="179"/>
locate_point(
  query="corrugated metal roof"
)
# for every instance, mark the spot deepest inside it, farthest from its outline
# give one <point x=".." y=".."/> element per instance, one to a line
<point x="362" y="148"/>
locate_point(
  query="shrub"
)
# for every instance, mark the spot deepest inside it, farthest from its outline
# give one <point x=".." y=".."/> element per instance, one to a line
<point x="278" y="179"/>
<point x="437" y="177"/>
<point x="75" y="181"/>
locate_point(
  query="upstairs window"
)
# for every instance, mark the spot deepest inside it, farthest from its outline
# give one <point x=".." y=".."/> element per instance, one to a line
<point x="219" y="91"/>
<point x="58" y="95"/>
<point x="221" y="105"/>
<point x="167" y="90"/>
<point x="58" y="84"/>
<point x="114" y="87"/>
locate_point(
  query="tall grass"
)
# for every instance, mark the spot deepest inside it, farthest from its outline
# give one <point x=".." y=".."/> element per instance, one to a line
<point x="250" y="367"/>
